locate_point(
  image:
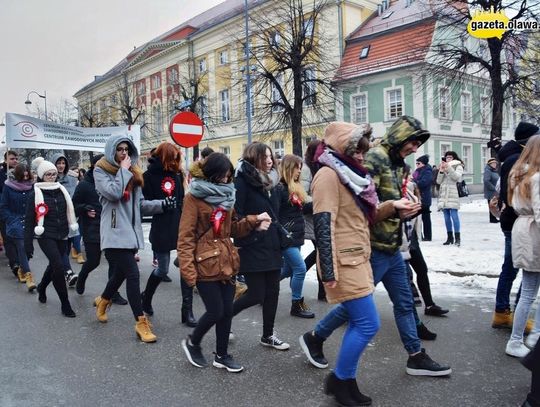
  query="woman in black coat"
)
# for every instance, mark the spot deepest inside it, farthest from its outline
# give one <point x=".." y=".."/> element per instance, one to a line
<point x="162" y="179"/>
<point x="260" y="251"/>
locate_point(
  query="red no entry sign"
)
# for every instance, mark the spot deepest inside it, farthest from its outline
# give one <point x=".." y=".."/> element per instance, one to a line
<point x="186" y="129"/>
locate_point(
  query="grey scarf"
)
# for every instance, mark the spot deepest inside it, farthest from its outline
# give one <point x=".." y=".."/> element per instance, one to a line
<point x="217" y="195"/>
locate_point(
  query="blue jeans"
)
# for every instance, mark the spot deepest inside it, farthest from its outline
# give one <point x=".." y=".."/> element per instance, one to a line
<point x="451" y="216"/>
<point x="21" y="254"/>
<point x="164" y="260"/>
<point x="507" y="276"/>
<point x="391" y="270"/>
<point x="295" y="268"/>
<point x="529" y="290"/>
<point x="363" y="325"/>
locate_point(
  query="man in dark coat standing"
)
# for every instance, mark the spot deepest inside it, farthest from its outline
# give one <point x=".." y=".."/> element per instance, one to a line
<point x="423" y="176"/>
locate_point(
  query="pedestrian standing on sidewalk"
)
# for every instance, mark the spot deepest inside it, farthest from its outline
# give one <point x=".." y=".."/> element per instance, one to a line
<point x="260" y="251"/>
<point x="294" y="202"/>
<point x="524" y="197"/>
<point x="423" y="177"/>
<point x="119" y="181"/>
<point x="508" y="155"/>
<point x="88" y="209"/>
<point x="385" y="164"/>
<point x="490" y="179"/>
<point x="10" y="162"/>
<point x="51" y="218"/>
<point x="450" y="172"/>
<point x="207" y="256"/>
<point x="13" y="210"/>
<point x="164" y="179"/>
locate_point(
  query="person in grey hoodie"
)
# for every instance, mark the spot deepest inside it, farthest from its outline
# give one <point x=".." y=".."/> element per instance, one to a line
<point x="119" y="182"/>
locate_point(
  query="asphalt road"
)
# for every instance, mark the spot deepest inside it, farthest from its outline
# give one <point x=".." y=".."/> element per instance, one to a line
<point x="50" y="360"/>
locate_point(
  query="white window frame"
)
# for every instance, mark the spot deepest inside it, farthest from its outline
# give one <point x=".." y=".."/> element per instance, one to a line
<point x="224" y="100"/>
<point x="444" y="147"/>
<point x="355" y="107"/>
<point x="156" y="82"/>
<point x="364" y="52"/>
<point x="310" y="86"/>
<point x="445" y="103"/>
<point x="141" y="88"/>
<point x="485" y="109"/>
<point x="223" y="57"/>
<point x="157" y="118"/>
<point x="388" y="104"/>
<point x="484" y="155"/>
<point x="466" y="110"/>
<point x="309" y="27"/>
<point x="468" y="161"/>
<point x="202" y="65"/>
<point x="172" y="76"/>
<point x="279" y="147"/>
<point x="225" y="150"/>
<point x="275" y="95"/>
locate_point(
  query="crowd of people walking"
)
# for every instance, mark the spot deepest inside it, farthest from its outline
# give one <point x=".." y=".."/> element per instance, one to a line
<point x="366" y="212"/>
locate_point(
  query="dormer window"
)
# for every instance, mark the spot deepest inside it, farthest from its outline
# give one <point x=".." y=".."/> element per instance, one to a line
<point x="364" y="53"/>
<point x="387" y="15"/>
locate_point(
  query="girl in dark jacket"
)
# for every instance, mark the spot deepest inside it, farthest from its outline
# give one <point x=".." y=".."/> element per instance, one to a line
<point x="260" y="251"/>
<point x="293" y="203"/>
<point x="50" y="216"/>
<point x="164" y="179"/>
<point x="207" y="256"/>
<point x="13" y="210"/>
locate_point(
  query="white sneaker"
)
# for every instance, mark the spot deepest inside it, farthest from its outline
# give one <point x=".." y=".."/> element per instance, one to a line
<point x="516" y="348"/>
<point x="532" y="339"/>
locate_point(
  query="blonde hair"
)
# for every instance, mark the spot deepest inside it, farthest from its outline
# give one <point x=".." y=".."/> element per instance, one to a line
<point x="289" y="163"/>
<point x="525" y="167"/>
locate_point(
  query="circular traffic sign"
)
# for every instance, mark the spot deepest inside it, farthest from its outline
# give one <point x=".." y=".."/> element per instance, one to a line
<point x="186" y="129"/>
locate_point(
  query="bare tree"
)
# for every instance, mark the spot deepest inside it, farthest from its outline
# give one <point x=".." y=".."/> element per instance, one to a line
<point x="457" y="56"/>
<point x="292" y="75"/>
<point x="527" y="95"/>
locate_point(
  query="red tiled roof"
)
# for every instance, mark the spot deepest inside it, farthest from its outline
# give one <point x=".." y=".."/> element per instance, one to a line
<point x="397" y="47"/>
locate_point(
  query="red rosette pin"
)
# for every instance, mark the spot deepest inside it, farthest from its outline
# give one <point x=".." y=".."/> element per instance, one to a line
<point x="217" y="219"/>
<point x="41" y="210"/>
<point x="295" y="200"/>
<point x="168" y="185"/>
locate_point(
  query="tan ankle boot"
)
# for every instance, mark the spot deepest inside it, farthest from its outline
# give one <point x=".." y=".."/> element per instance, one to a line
<point x="30" y="284"/>
<point x="102" y="305"/>
<point x="144" y="330"/>
<point x="503" y="319"/>
<point x="80" y="258"/>
<point x="21" y="276"/>
<point x="74" y="253"/>
<point x="529" y="326"/>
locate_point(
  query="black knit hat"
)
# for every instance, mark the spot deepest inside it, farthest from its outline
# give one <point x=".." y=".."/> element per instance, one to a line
<point x="525" y="130"/>
<point x="424" y="159"/>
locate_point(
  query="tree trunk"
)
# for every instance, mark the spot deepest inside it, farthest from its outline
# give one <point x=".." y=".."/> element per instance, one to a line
<point x="497" y="91"/>
<point x="297" y="111"/>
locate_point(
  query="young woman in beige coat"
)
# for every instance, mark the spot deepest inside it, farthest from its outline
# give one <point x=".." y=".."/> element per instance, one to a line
<point x="450" y="172"/>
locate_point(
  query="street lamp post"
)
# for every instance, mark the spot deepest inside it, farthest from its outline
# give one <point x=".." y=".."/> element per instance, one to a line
<point x="44" y="96"/>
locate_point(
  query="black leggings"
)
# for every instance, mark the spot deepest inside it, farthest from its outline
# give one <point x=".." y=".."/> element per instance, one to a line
<point x="123" y="265"/>
<point x="9" y="246"/>
<point x="93" y="258"/>
<point x="263" y="288"/>
<point x="218" y="299"/>
<point x="419" y="265"/>
<point x="54" y="250"/>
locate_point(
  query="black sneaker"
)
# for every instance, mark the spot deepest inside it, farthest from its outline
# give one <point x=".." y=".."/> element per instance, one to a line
<point x="71" y="278"/>
<point x="422" y="365"/>
<point x="227" y="362"/>
<point x="194" y="353"/>
<point x="312" y="345"/>
<point x="166" y="279"/>
<point x="273" y="341"/>
<point x="424" y="333"/>
<point x="435" y="311"/>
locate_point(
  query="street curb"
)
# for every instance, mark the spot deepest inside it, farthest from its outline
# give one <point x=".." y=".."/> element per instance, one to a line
<point x="465" y="273"/>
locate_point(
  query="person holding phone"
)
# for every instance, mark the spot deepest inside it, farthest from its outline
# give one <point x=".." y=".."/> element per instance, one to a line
<point x="450" y="172"/>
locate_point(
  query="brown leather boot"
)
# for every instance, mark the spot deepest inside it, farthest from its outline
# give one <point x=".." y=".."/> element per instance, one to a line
<point x="102" y="305"/>
<point x="143" y="328"/>
<point x="29" y="280"/>
<point x="21" y="276"/>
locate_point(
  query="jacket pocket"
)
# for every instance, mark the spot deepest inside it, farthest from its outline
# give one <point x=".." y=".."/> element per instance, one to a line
<point x="352" y="260"/>
<point x="208" y="262"/>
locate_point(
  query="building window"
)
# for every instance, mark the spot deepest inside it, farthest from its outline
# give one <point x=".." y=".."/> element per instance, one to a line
<point x="394" y="104"/>
<point x="224" y="99"/>
<point x="277" y="100"/>
<point x="308" y="139"/>
<point x="156" y="81"/>
<point x="203" y="107"/>
<point x="359" y="109"/>
<point x="103" y="105"/>
<point x="225" y="150"/>
<point x="445" y="147"/>
<point x="202" y="65"/>
<point x="309" y="86"/>
<point x="141" y="121"/>
<point x="466" y="107"/>
<point x="279" y="148"/>
<point x="140" y="88"/>
<point x="484" y="155"/>
<point x="444" y="103"/>
<point x="308" y="27"/>
<point x="223" y="57"/>
<point x="485" y="108"/>
<point x="246" y="50"/>
<point x="157" y="119"/>
<point x="364" y="53"/>
<point x="466" y="157"/>
<point x="172" y="76"/>
<point x="275" y="39"/>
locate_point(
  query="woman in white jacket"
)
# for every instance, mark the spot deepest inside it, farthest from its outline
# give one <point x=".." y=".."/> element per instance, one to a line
<point x="524" y="197"/>
<point x="450" y="172"/>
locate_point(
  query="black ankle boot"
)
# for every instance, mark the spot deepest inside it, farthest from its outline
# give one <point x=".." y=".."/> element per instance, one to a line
<point x="340" y="390"/>
<point x="148" y="294"/>
<point x="450" y="239"/>
<point x="458" y="239"/>
<point x="42" y="296"/>
<point x="299" y="309"/>
<point x="424" y="333"/>
<point x="187" y="305"/>
<point x="67" y="311"/>
<point x="81" y="282"/>
<point x="356" y="395"/>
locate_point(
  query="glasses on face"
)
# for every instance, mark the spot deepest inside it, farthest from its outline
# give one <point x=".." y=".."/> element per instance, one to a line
<point x="49" y="174"/>
<point x="418" y="163"/>
<point x="122" y="149"/>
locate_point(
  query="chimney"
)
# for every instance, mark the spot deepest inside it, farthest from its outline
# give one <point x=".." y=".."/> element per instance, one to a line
<point x="379" y="9"/>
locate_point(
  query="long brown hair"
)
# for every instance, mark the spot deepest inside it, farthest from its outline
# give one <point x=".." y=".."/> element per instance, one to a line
<point x="525" y="167"/>
<point x="169" y="155"/>
<point x="255" y="154"/>
<point x="289" y="163"/>
<point x="19" y="170"/>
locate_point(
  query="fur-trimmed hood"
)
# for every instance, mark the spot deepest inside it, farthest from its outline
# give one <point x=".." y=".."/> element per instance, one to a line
<point x="344" y="137"/>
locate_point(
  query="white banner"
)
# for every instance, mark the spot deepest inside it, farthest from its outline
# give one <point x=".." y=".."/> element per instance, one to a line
<point x="29" y="132"/>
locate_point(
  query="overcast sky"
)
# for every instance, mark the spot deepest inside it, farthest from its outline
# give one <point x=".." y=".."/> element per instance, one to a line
<point x="59" y="45"/>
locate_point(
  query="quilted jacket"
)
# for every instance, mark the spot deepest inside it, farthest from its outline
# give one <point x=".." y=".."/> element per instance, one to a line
<point x="448" y="194"/>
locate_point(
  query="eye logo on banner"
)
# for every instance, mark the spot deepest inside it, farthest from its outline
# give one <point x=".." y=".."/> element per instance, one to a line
<point x="27" y="129"/>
